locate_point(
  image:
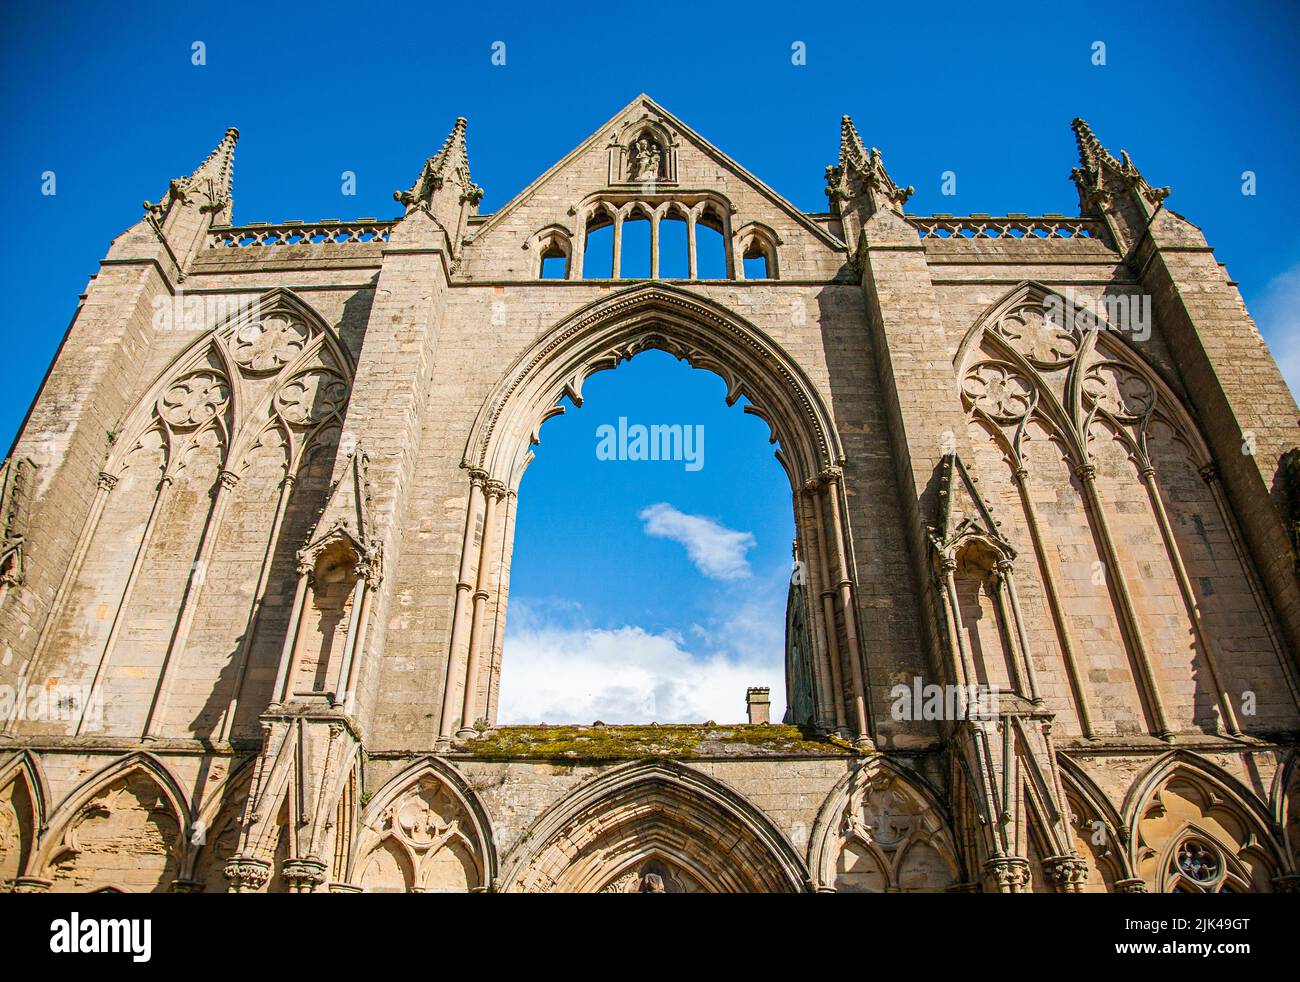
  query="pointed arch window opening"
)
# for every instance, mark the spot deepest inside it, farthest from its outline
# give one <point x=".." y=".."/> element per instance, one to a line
<point x="499" y="449"/>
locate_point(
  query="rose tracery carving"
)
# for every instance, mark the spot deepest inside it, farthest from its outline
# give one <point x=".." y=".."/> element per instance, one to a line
<point x="1037" y="336"/>
<point x="999" y="391"/>
<point x="268" y="344"/>
<point x="310" y="396"/>
<point x="1119" y="391"/>
<point x="194" y="399"/>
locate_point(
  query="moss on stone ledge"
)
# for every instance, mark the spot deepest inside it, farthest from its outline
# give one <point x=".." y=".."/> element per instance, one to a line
<point x="601" y="742"/>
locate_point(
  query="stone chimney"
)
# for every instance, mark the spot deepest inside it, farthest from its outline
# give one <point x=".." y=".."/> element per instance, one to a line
<point x="758" y="704"/>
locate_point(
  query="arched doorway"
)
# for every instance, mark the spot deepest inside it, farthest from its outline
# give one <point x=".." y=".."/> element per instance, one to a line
<point x="654" y="827"/>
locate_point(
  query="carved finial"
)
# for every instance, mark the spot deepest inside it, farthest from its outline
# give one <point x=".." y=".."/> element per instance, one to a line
<point x="211" y="185"/>
<point x="1099" y="175"/>
<point x="861" y="174"/>
<point x="451" y="160"/>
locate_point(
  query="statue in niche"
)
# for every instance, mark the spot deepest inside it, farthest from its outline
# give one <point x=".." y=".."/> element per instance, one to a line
<point x="645" y="156"/>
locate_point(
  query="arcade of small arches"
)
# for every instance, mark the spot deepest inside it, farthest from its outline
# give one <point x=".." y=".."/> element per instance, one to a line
<point x="684" y="235"/>
<point x="649" y="826"/>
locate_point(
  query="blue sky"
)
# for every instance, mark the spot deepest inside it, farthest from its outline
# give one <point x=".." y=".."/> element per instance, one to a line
<point x="107" y="98"/>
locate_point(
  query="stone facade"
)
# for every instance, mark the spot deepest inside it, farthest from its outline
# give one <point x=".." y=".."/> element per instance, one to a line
<point x="258" y="531"/>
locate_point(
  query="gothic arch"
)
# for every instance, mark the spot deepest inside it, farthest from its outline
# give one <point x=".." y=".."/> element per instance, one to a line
<point x="244" y="348"/>
<point x="1099" y="832"/>
<point x="424" y="831"/>
<point x="1036" y="364"/>
<point x="1194" y="826"/>
<point x="607" y="332"/>
<point x="1286" y="809"/>
<point x="882" y="828"/>
<point x="133" y="810"/>
<point x="219" y="816"/>
<point x="22" y="814"/>
<point x="600" y="336"/>
<point x="654" y="817"/>
<point x="1073" y="349"/>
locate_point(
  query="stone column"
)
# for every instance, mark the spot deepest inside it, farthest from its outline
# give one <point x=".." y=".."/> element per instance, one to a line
<point x="288" y="654"/>
<point x="164" y="485"/>
<point x="255" y="609"/>
<point x="460" y="609"/>
<point x="1059" y="619"/>
<point x="496" y="492"/>
<point x="1008" y="874"/>
<point x="155" y="720"/>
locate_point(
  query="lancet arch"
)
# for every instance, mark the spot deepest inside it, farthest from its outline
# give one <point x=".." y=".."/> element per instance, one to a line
<point x="654" y="819"/>
<point x="1098" y="830"/>
<point x="882" y="829"/>
<point x="22" y="814"/>
<point x="126" y="826"/>
<point x="425" y="831"/>
<point x="1195" y="828"/>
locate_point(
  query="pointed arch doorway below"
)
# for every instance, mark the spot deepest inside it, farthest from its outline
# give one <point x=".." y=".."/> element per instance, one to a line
<point x="654" y="827"/>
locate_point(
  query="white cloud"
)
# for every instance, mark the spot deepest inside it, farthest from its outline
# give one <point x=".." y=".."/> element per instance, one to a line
<point x="1277" y="312"/>
<point x="557" y="668"/>
<point x="717" y="551"/>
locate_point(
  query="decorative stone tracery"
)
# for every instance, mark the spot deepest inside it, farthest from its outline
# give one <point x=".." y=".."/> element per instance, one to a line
<point x="637" y="819"/>
<point x="424" y="834"/>
<point x="879" y="832"/>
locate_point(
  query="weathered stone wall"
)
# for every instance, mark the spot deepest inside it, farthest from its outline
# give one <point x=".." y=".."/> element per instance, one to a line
<point x="252" y="550"/>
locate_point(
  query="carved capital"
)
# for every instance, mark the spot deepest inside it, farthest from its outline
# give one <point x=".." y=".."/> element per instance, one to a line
<point x="246" y="875"/>
<point x="1134" y="885"/>
<point x="186" y="886"/>
<point x="1070" y="873"/>
<point x="1209" y="473"/>
<point x="495" y="489"/>
<point x="303" y="875"/>
<point x="1009" y="873"/>
<point x="831" y="475"/>
<point x="228" y="480"/>
<point x="1086" y="472"/>
<point x="106" y="481"/>
<point x="31" y="884"/>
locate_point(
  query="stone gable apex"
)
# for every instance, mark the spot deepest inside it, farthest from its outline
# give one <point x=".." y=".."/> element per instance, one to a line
<point x="643" y="107"/>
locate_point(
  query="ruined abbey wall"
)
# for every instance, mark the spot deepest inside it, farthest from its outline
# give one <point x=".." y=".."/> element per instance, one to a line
<point x="258" y="529"/>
